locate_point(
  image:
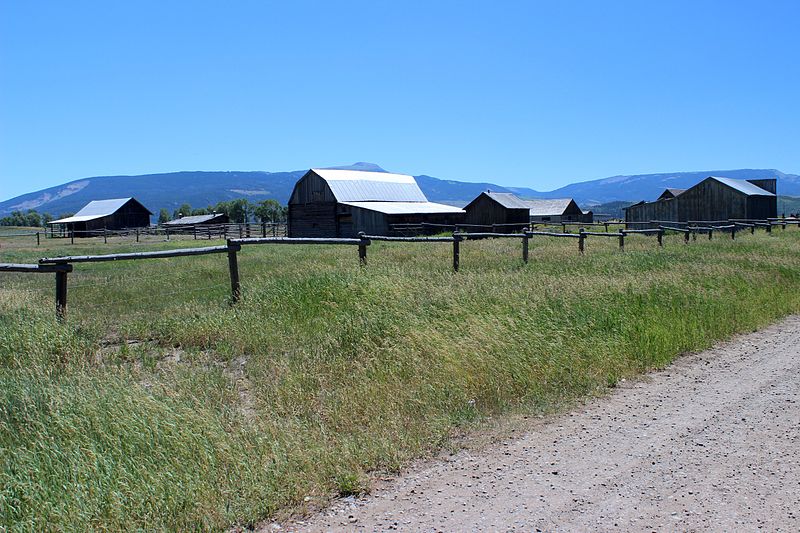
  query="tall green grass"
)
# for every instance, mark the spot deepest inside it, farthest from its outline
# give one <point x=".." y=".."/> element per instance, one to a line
<point x="159" y="406"/>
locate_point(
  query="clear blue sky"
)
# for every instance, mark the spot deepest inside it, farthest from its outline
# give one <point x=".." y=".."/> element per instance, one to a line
<point x="520" y="93"/>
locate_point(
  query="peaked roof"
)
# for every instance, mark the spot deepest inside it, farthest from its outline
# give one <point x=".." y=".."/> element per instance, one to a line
<point x="362" y="186"/>
<point x="507" y="200"/>
<point x="742" y="186"/>
<point x="555" y="206"/>
<point x="671" y="193"/>
<point x="194" y="219"/>
<point x="98" y="209"/>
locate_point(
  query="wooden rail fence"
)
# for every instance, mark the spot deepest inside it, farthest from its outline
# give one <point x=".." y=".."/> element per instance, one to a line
<point x="63" y="265"/>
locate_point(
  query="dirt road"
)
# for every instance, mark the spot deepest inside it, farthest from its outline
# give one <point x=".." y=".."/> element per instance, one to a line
<point x="712" y="442"/>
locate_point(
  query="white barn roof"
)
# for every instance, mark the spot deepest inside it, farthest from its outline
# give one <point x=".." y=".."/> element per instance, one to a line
<point x="507" y="200"/>
<point x="743" y="186"/>
<point x="95" y="209"/>
<point x="192" y="219"/>
<point x="362" y="186"/>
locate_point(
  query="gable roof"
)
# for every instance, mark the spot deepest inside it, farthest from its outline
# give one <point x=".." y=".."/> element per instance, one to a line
<point x="194" y="219"/>
<point x="742" y="186"/>
<point x="555" y="206"/>
<point x="507" y="200"/>
<point x="363" y="186"/>
<point x="671" y="193"/>
<point x="98" y="209"/>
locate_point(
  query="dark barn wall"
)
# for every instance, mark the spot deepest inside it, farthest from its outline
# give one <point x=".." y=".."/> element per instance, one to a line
<point x="312" y="208"/>
<point x="709" y="200"/>
<point x="486" y="211"/>
<point x="130" y="215"/>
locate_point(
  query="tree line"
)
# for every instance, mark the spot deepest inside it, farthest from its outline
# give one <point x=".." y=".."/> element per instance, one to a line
<point x="31" y="218"/>
<point x="239" y="211"/>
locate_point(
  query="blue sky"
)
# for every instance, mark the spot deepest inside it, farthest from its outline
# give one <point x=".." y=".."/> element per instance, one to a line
<point x="538" y="94"/>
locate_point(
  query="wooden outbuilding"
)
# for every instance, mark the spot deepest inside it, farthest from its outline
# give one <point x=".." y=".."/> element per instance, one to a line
<point x="491" y="208"/>
<point x="199" y="220"/>
<point x="97" y="215"/>
<point x="342" y="203"/>
<point x="713" y="199"/>
<point x="555" y="210"/>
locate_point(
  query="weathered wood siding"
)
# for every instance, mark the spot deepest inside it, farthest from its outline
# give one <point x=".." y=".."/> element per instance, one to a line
<point x="486" y="211"/>
<point x="708" y="200"/>
<point x="312" y="209"/>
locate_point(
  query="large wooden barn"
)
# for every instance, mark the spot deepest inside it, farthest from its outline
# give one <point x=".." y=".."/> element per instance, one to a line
<point x="342" y="203"/>
<point x="490" y="208"/>
<point x="114" y="214"/>
<point x="713" y="199"/>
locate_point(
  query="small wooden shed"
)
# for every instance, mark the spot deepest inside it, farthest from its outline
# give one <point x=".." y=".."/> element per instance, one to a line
<point x="113" y="214"/>
<point x="555" y="210"/>
<point x="491" y="208"/>
<point x="342" y="203"/>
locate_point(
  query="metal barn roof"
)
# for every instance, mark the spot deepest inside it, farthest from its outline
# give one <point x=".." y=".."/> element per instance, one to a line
<point x="743" y="186"/>
<point x="507" y="200"/>
<point x="555" y="206"/>
<point x="95" y="209"/>
<point x="193" y="219"/>
<point x="405" y="208"/>
<point x="362" y="186"/>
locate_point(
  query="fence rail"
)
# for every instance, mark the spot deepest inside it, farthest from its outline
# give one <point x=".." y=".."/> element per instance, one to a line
<point x="62" y="266"/>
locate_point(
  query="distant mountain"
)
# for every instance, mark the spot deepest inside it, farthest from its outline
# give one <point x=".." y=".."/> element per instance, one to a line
<point x="649" y="186"/>
<point x="201" y="189"/>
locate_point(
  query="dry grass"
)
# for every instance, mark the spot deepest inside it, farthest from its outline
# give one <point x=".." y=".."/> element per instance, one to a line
<point x="325" y="371"/>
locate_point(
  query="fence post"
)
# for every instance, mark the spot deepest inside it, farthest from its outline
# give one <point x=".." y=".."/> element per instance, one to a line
<point x="456" y="251"/>
<point x="105" y="236"/>
<point x="753" y="229"/>
<point x="166" y="231"/>
<point x="72" y="236"/>
<point x="263" y="229"/>
<point x="581" y="239"/>
<point x="606" y="225"/>
<point x="710" y="233"/>
<point x="784" y="224"/>
<point x="622" y="240"/>
<point x="686" y="236"/>
<point x="37" y="238"/>
<point x="362" y="249"/>
<point x="525" y="238"/>
<point x="733" y="232"/>
<point x="194" y="231"/>
<point x="61" y="293"/>
<point x="660" y="236"/>
<point x="233" y="267"/>
<point x="769" y="226"/>
<point x="137" y="234"/>
<point x="563" y="228"/>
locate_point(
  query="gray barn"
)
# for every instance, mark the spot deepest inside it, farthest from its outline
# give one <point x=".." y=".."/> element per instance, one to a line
<point x="342" y="203"/>
<point x="118" y="213"/>
<point x="490" y="208"/>
<point x="713" y="199"/>
<point x="557" y="210"/>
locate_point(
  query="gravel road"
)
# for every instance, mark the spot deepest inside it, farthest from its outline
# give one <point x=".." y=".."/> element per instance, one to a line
<point x="710" y="443"/>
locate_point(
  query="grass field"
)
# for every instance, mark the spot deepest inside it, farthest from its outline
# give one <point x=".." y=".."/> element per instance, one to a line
<point x="157" y="405"/>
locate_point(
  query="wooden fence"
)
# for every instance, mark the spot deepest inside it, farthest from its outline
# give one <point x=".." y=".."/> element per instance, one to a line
<point x="62" y="266"/>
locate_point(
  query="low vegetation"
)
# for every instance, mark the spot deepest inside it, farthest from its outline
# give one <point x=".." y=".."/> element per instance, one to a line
<point x="157" y="405"/>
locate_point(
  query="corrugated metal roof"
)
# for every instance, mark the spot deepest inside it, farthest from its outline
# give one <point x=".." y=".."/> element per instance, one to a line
<point x="743" y="186"/>
<point x="95" y="209"/>
<point x="507" y="200"/>
<point x="361" y="186"/>
<point x="193" y="219"/>
<point x="406" y="208"/>
<point x="555" y="206"/>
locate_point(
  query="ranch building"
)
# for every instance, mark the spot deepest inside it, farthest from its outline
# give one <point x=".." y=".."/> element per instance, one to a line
<point x="713" y="199"/>
<point x="342" y="203"/>
<point x="557" y="210"/>
<point x="491" y="208"/>
<point x="199" y="220"/>
<point x="97" y="215"/>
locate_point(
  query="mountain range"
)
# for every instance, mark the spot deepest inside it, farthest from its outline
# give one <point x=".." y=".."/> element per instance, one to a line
<point x="204" y="188"/>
